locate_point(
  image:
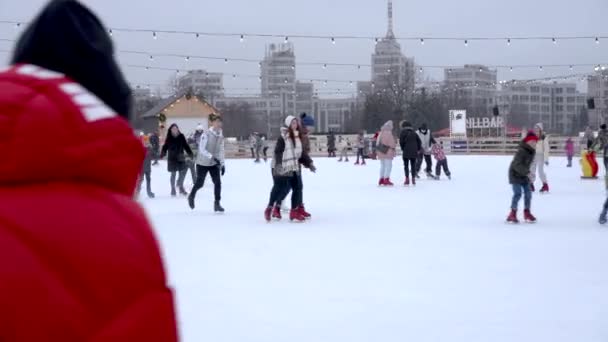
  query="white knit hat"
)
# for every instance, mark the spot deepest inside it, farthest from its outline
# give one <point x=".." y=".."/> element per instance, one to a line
<point x="540" y="126"/>
<point x="289" y="120"/>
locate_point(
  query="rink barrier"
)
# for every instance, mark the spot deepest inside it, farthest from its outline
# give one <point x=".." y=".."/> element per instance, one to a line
<point x="471" y="146"/>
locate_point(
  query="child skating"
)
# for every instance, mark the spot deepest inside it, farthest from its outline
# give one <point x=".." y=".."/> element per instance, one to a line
<point x="519" y="173"/>
<point x="442" y="161"/>
<point x="343" y="145"/>
<point x="569" y="151"/>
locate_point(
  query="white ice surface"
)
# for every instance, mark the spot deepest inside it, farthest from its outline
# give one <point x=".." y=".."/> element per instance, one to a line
<point x="431" y="263"/>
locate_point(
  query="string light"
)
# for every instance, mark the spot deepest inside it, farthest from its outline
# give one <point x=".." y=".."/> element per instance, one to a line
<point x="541" y="68"/>
<point x="225" y="60"/>
<point x="187" y="58"/>
<point x="571" y="67"/>
<point x="260" y="64"/>
<point x="466" y="42"/>
<point x="151" y="57"/>
<point x="376" y="41"/>
<point x="154" y="35"/>
<point x="285" y="80"/>
<point x="597" y="40"/>
<point x="242" y="38"/>
<point x="509" y="41"/>
<point x="420" y="69"/>
<point x="18" y="25"/>
<point x="198" y="35"/>
<point x="110" y="32"/>
<point x="333" y="41"/>
<point x="554" y="40"/>
<point x="293" y="67"/>
<point x="324" y="66"/>
<point x="234" y="76"/>
<point x="510" y="68"/>
<point x="421" y="41"/>
<point x="359" y="67"/>
<point x="286" y="39"/>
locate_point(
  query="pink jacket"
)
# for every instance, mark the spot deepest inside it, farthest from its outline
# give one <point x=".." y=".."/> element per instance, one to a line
<point x="437" y="151"/>
<point x="570" y="148"/>
<point x="386" y="138"/>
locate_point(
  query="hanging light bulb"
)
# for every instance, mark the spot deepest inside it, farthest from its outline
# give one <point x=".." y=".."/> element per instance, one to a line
<point x="177" y="71"/>
<point x="109" y="32"/>
<point x="597" y="40"/>
<point x="540" y="68"/>
<point x="293" y="67"/>
<point x="571" y="67"/>
<point x="351" y="83"/>
<point x="511" y="69"/>
<point x="376" y="41"/>
<point x="466" y="42"/>
<point x="197" y="35"/>
<point x="285" y="80"/>
<point x="18" y="25"/>
<point x="154" y="35"/>
<point x="225" y="60"/>
<point x="325" y="83"/>
<point x="233" y="76"/>
<point x="187" y="58"/>
<point x="242" y="38"/>
<point x="421" y="41"/>
<point x="286" y="39"/>
<point x="554" y="40"/>
<point x="509" y="41"/>
<point x="260" y="78"/>
<point x="358" y="67"/>
<point x="260" y="64"/>
<point x="420" y="69"/>
<point x="151" y="57"/>
<point x="449" y="71"/>
<point x="333" y="40"/>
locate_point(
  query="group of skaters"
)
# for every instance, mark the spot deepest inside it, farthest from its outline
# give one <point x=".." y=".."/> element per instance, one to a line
<point x="258" y="145"/>
<point x="201" y="154"/>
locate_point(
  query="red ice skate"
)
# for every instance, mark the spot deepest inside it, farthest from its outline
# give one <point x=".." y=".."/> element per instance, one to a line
<point x="513" y="217"/>
<point x="381" y="182"/>
<point x="387" y="182"/>
<point x="296" y="216"/>
<point x="528" y="217"/>
<point x="267" y="214"/>
<point x="304" y="212"/>
<point x="545" y="188"/>
<point x="407" y="181"/>
<point x="276" y="213"/>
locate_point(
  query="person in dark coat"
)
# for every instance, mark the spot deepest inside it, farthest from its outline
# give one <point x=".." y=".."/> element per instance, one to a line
<point x="174" y="148"/>
<point x="411" y="146"/>
<point x="146" y="171"/>
<point x="155" y="147"/>
<point x="519" y="177"/>
<point x="331" y="145"/>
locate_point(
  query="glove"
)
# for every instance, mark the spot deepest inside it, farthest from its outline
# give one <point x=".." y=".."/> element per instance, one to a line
<point x="223" y="170"/>
<point x="313" y="168"/>
<point x="217" y="161"/>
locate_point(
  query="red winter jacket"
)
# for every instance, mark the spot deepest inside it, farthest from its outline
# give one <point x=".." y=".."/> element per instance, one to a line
<point x="79" y="261"/>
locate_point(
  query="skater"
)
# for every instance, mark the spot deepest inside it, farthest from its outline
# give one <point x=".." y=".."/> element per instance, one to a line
<point x="411" y="147"/>
<point x="427" y="141"/>
<point x="331" y="145"/>
<point x="541" y="159"/>
<point x="343" y="145"/>
<point x="569" y="151"/>
<point x="589" y="137"/>
<point x="258" y="145"/>
<point x="252" y="141"/>
<point x="175" y="146"/>
<point x="386" y="152"/>
<point x="147" y="168"/>
<point x="155" y="143"/>
<point x="442" y="161"/>
<point x="265" y="148"/>
<point x="80" y="259"/>
<point x="519" y="172"/>
<point x="210" y="160"/>
<point x="600" y="145"/>
<point x="285" y="169"/>
<point x="360" y="148"/>
<point x="193" y="141"/>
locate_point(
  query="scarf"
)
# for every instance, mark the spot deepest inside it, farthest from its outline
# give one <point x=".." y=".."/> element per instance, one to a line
<point x="292" y="153"/>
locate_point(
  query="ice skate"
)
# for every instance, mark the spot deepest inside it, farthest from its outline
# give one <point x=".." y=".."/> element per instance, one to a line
<point x="276" y="213"/>
<point x="387" y="182"/>
<point x="296" y="216"/>
<point x="544" y="189"/>
<point x="407" y="181"/>
<point x="151" y="194"/>
<point x="449" y="177"/>
<point x="191" y="202"/>
<point x="357" y="162"/>
<point x="431" y="176"/>
<point x="528" y="217"/>
<point x="381" y="182"/>
<point x="340" y="160"/>
<point x="513" y="217"/>
<point x="183" y="192"/>
<point x="603" y="216"/>
<point x="363" y="162"/>
<point x="304" y="213"/>
<point x="173" y="193"/>
<point x="267" y="214"/>
<point x="414" y="181"/>
<point x="217" y="207"/>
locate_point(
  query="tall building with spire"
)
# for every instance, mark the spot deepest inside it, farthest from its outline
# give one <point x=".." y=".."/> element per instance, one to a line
<point x="391" y="69"/>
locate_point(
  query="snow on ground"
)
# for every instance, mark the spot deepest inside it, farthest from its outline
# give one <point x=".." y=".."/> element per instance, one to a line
<point x="431" y="263"/>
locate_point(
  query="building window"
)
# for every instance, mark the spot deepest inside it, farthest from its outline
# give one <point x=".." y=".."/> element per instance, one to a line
<point x="570" y="99"/>
<point x="559" y="90"/>
<point x="534" y="108"/>
<point x="524" y="98"/>
<point x="546" y="91"/>
<point x="546" y="99"/>
<point x="571" y="90"/>
<point x="559" y="99"/>
<point x="535" y="89"/>
<point x="570" y="109"/>
<point x="559" y="108"/>
<point x="534" y="98"/>
<point x="546" y="109"/>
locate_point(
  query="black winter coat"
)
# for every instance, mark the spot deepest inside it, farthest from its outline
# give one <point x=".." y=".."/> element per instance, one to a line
<point x="410" y="143"/>
<point x="520" y="166"/>
<point x="174" y="148"/>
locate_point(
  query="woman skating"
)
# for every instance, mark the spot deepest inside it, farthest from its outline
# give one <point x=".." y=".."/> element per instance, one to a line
<point x="541" y="159"/>
<point x="175" y="147"/>
<point x="386" y="152"/>
<point x="411" y="146"/>
<point x="285" y="170"/>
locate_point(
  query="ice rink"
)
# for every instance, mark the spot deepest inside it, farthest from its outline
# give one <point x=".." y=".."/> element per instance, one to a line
<point x="432" y="263"/>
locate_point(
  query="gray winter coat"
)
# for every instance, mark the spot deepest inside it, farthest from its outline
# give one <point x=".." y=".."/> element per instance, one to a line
<point x="211" y="148"/>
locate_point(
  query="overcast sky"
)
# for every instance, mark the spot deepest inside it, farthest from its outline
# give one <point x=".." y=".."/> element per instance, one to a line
<point x="439" y="18"/>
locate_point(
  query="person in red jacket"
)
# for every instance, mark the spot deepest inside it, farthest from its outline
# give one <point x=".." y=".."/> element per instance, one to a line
<point x="79" y="259"/>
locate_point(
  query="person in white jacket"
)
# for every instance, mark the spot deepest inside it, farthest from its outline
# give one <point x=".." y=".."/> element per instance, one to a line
<point x="541" y="159"/>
